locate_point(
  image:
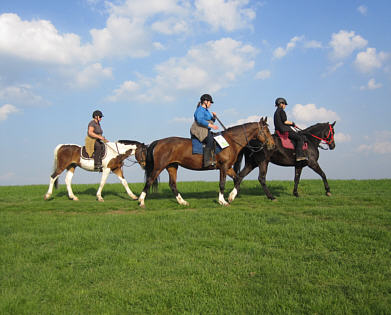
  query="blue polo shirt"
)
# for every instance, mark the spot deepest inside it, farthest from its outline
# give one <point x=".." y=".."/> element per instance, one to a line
<point x="202" y="115"/>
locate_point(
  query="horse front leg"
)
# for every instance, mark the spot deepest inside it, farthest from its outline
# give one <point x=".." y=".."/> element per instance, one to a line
<point x="148" y="183"/>
<point x="298" y="170"/>
<point x="315" y="166"/>
<point x="238" y="180"/>
<point x="262" y="179"/>
<point x="223" y="177"/>
<point x="68" y="182"/>
<point x="172" y="172"/>
<point x="124" y="183"/>
<point x="105" y="173"/>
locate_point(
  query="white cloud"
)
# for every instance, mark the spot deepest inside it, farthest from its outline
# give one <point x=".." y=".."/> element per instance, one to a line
<point x="182" y="120"/>
<point x="372" y="85"/>
<point x="344" y="43"/>
<point x="313" y="44"/>
<point x="281" y="52"/>
<point x="125" y="91"/>
<point x="228" y="15"/>
<point x="263" y="74"/>
<point x="381" y="143"/>
<point x="310" y="113"/>
<point x="92" y="74"/>
<point x="170" y="26"/>
<point x="341" y="137"/>
<point x="122" y="37"/>
<point x="362" y="9"/>
<point x="7" y="110"/>
<point x="241" y="121"/>
<point x="225" y="61"/>
<point x="22" y="95"/>
<point x="368" y="60"/>
<point x="39" y="41"/>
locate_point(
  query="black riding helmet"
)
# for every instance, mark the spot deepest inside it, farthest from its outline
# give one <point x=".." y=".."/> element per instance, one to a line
<point x="206" y="97"/>
<point x="97" y="113"/>
<point x="281" y="100"/>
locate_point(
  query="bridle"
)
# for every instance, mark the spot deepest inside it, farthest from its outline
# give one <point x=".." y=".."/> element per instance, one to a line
<point x="253" y="149"/>
<point x="328" y="140"/>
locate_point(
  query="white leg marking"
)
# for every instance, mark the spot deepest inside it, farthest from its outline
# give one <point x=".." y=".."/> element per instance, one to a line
<point x="105" y="174"/>
<point x="125" y="184"/>
<point x="222" y="200"/>
<point x="50" y="190"/>
<point x="181" y="201"/>
<point x="232" y="195"/>
<point x="68" y="182"/>
<point x="141" y="199"/>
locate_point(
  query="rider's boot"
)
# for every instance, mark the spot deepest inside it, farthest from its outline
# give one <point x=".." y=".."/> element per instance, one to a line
<point x="208" y="157"/>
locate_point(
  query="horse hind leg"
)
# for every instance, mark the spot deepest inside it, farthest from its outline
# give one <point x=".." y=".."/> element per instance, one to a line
<point x="172" y="172"/>
<point x="52" y="184"/>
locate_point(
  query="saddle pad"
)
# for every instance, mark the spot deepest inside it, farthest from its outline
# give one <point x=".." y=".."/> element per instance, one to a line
<point x="287" y="143"/>
<point x="198" y="148"/>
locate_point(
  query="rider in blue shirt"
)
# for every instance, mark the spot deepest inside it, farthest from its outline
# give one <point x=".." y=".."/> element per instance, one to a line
<point x="204" y="122"/>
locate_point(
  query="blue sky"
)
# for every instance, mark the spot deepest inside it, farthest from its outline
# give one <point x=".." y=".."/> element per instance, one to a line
<point x="146" y="63"/>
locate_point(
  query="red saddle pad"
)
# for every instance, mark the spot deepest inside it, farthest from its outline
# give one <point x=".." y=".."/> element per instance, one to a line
<point x="287" y="143"/>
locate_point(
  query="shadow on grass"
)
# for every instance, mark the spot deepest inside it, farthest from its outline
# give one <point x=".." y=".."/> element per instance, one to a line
<point x="92" y="192"/>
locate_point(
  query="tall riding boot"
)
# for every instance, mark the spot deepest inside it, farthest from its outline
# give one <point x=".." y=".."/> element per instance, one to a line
<point x="208" y="158"/>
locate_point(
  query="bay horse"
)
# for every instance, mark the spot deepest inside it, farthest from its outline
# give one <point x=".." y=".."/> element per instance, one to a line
<point x="169" y="153"/>
<point x="69" y="156"/>
<point x="316" y="134"/>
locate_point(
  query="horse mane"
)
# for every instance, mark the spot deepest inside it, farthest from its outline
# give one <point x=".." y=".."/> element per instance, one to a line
<point x="310" y="128"/>
<point x="129" y="142"/>
<point x="233" y="128"/>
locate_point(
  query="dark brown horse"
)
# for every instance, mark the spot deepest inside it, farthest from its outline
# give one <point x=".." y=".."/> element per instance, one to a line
<point x="69" y="156"/>
<point x="322" y="132"/>
<point x="171" y="152"/>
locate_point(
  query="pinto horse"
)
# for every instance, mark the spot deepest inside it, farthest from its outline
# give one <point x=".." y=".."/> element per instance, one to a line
<point x="69" y="156"/>
<point x="321" y="132"/>
<point x="171" y="152"/>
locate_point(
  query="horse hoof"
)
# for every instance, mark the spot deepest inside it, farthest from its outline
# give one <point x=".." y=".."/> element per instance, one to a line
<point x="328" y="194"/>
<point x="46" y="197"/>
<point x="75" y="199"/>
<point x="134" y="197"/>
<point x="274" y="200"/>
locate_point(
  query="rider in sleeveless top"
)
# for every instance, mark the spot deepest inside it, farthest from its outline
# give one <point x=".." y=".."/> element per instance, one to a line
<point x="282" y="124"/>
<point x="201" y="128"/>
<point x="95" y="131"/>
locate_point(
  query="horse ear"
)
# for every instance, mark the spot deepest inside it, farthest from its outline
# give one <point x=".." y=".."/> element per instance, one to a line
<point x="266" y="119"/>
<point x="333" y="123"/>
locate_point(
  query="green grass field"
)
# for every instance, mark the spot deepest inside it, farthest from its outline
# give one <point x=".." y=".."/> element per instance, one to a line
<point x="307" y="255"/>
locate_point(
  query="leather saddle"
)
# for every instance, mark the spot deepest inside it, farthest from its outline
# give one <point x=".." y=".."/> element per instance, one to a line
<point x="85" y="155"/>
<point x="287" y="143"/>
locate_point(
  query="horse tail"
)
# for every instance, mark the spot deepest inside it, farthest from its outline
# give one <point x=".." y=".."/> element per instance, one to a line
<point x="55" y="164"/>
<point x="149" y="165"/>
<point x="238" y="162"/>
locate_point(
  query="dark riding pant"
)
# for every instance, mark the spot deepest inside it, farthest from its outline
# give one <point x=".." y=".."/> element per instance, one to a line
<point x="209" y="156"/>
<point x="98" y="153"/>
<point x="298" y="142"/>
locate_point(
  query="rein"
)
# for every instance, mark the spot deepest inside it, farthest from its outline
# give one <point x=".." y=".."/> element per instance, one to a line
<point x="253" y="149"/>
<point x="328" y="140"/>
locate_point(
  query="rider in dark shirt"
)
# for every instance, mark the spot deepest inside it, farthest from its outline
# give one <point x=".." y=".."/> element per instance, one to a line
<point x="282" y="124"/>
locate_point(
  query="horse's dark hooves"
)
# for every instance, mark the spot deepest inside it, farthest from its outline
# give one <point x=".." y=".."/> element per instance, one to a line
<point x="296" y="195"/>
<point x="274" y="199"/>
